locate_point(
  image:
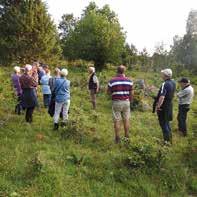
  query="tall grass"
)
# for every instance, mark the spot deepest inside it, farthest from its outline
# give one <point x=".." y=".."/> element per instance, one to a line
<point x="82" y="159"/>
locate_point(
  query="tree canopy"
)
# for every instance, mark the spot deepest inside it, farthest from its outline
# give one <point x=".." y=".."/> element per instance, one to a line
<point x="97" y="36"/>
<point x="27" y="32"/>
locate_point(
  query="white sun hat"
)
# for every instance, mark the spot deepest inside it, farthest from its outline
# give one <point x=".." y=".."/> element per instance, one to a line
<point x="64" y="72"/>
<point x="167" y="72"/>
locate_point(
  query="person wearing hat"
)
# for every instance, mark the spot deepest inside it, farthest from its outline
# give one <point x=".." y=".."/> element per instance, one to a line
<point x="17" y="88"/>
<point x="164" y="106"/>
<point x="93" y="85"/>
<point x="29" y="100"/>
<point x="185" y="97"/>
<point x="62" y="98"/>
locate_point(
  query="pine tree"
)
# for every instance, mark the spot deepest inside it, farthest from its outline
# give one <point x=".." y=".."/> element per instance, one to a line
<point x="27" y="32"/>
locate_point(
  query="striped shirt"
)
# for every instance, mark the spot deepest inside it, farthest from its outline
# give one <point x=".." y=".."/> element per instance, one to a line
<point x="120" y="87"/>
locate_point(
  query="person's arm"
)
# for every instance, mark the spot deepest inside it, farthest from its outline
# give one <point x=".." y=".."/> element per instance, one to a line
<point x="161" y="97"/>
<point x="96" y="81"/>
<point x="109" y="89"/>
<point x="160" y="103"/>
<point x="131" y="95"/>
<point x="182" y="93"/>
<point x="98" y="87"/>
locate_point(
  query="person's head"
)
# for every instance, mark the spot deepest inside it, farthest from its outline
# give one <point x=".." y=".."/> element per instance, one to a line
<point x="91" y="69"/>
<point x="28" y="69"/>
<point x="45" y="68"/>
<point x="64" y="73"/>
<point x="57" y="72"/>
<point x="184" y="82"/>
<point x="166" y="74"/>
<point x="121" y="69"/>
<point x="36" y="64"/>
<point x="17" y="70"/>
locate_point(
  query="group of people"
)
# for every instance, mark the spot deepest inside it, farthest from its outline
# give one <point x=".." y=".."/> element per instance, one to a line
<point x="26" y="80"/>
<point x="120" y="88"/>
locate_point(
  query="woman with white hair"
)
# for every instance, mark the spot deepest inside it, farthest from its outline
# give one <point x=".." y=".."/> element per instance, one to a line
<point x="29" y="97"/>
<point x="17" y="88"/>
<point x="93" y="85"/>
<point x="62" y="98"/>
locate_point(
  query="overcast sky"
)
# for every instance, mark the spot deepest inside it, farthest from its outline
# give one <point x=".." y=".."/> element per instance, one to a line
<point x="147" y="22"/>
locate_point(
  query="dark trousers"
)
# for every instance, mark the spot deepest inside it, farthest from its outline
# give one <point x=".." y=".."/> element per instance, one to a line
<point x="46" y="99"/>
<point x="29" y="114"/>
<point x="18" y="107"/>
<point x="182" y="118"/>
<point x="165" y="126"/>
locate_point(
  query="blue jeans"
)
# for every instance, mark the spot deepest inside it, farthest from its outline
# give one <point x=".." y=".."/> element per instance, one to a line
<point x="46" y="99"/>
<point x="182" y="117"/>
<point x="165" y="126"/>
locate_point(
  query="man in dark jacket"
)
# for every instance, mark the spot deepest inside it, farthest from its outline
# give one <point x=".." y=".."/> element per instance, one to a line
<point x="93" y="85"/>
<point x="164" y="106"/>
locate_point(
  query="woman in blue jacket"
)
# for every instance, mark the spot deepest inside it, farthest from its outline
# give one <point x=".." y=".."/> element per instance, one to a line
<point x="46" y="88"/>
<point x="62" y="98"/>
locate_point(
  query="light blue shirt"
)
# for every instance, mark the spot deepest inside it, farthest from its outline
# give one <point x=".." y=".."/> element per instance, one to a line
<point x="62" y="90"/>
<point x="45" y="84"/>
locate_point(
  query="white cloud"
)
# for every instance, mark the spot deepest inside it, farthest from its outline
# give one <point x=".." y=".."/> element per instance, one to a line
<point x="146" y="22"/>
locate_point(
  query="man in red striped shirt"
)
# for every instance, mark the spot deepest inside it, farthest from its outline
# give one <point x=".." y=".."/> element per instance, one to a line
<point x="120" y="89"/>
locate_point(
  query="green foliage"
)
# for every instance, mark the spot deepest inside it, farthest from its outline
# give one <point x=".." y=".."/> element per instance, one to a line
<point x="82" y="159"/>
<point x="27" y="32"/>
<point x="97" y="37"/>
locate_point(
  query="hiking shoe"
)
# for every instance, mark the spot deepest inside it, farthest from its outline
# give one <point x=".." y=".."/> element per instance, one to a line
<point x="63" y="124"/>
<point x="56" y="126"/>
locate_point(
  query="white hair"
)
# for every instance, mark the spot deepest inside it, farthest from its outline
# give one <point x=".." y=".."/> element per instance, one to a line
<point x="167" y="72"/>
<point x="28" y="67"/>
<point x="17" y="69"/>
<point x="92" y="69"/>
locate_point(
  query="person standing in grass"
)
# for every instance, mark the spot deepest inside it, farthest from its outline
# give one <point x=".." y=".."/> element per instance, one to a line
<point x="164" y="105"/>
<point x="38" y="70"/>
<point x="93" y="85"/>
<point x="185" y="97"/>
<point x="29" y="100"/>
<point x="62" y="98"/>
<point x="45" y="86"/>
<point x="17" y="88"/>
<point x="121" y="90"/>
<point x="52" y="80"/>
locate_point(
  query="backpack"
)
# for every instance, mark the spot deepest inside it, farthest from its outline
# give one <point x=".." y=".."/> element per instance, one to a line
<point x="51" y="109"/>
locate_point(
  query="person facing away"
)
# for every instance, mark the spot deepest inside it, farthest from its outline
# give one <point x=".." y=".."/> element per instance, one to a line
<point x="17" y="88"/>
<point x="164" y="105"/>
<point x="185" y="97"/>
<point x="121" y="89"/>
<point x="38" y="71"/>
<point x="45" y="87"/>
<point x="53" y="79"/>
<point x="29" y="97"/>
<point x="62" y="98"/>
<point x="93" y="85"/>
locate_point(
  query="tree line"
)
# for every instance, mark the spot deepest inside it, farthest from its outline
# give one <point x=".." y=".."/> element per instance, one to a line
<point x="27" y="33"/>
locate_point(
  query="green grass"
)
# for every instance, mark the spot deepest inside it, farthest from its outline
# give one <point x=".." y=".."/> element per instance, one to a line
<point x="82" y="159"/>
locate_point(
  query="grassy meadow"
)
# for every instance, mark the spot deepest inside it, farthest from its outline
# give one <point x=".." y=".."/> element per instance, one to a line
<point x="82" y="159"/>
